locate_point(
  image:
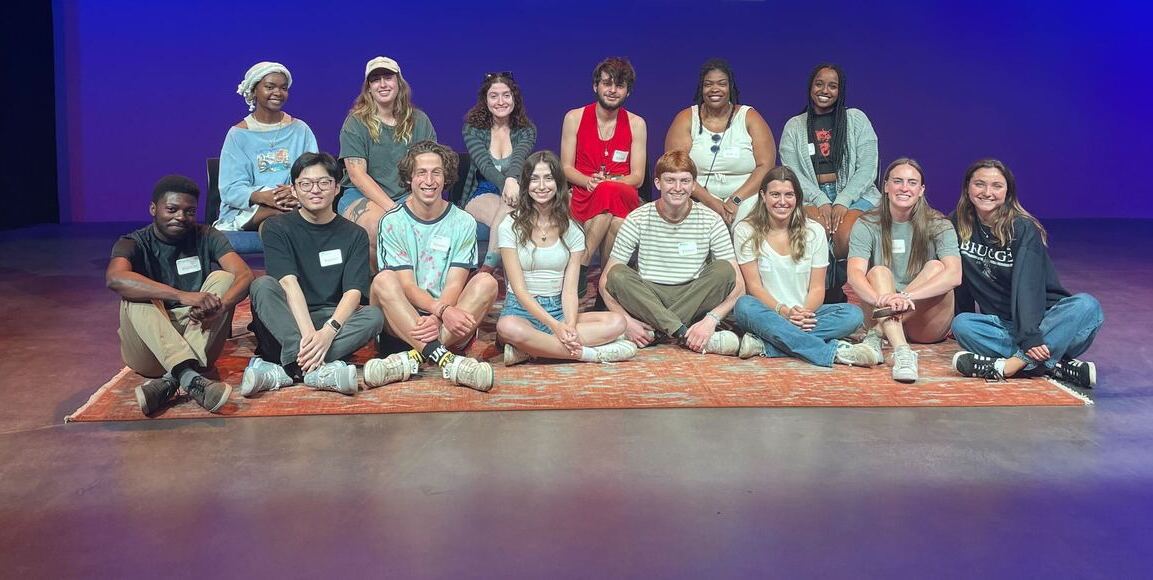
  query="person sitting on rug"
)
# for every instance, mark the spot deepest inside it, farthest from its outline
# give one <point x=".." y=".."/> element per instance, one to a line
<point x="783" y="256"/>
<point x="833" y="150"/>
<point x="1029" y="324"/>
<point x="310" y="311"/>
<point x="375" y="135"/>
<point x="499" y="136"/>
<point x="426" y="249"/>
<point x="174" y="309"/>
<point x="686" y="279"/>
<point x="603" y="153"/>
<point x="259" y="150"/>
<point x="731" y="143"/>
<point x="904" y="262"/>
<point x="542" y="250"/>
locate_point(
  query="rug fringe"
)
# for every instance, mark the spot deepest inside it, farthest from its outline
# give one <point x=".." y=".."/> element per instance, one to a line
<point x="1082" y="397"/>
<point x="72" y="417"/>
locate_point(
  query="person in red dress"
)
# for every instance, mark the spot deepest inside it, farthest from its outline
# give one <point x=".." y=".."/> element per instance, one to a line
<point x="603" y="155"/>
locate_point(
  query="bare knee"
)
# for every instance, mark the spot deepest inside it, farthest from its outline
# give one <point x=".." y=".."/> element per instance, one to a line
<point x="512" y="329"/>
<point x="484" y="284"/>
<point x="386" y="287"/>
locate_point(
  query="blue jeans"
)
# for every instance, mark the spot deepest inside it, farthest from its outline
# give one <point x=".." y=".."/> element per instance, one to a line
<point x="1068" y="328"/>
<point x="353" y="194"/>
<point x="551" y="304"/>
<point x="830" y="190"/>
<point x="783" y="338"/>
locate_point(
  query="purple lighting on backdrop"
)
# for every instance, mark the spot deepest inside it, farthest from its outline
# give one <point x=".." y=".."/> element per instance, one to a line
<point x="148" y="89"/>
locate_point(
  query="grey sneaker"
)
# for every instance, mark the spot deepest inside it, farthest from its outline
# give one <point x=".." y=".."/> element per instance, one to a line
<point x="751" y="346"/>
<point x="470" y="373"/>
<point x="336" y="376"/>
<point x="390" y="369"/>
<point x="262" y="375"/>
<point x="723" y="342"/>
<point x="1079" y="373"/>
<point x="875" y="342"/>
<point x="210" y="394"/>
<point x="904" y="364"/>
<point x="616" y="351"/>
<point x="153" y="393"/>
<point x="513" y="355"/>
<point x="854" y="355"/>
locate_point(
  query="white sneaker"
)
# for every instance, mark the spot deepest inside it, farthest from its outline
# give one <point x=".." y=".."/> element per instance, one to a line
<point x="513" y="355"/>
<point x="854" y="355"/>
<point x="615" y="351"/>
<point x="390" y="369"/>
<point x="751" y="345"/>
<point x="875" y="341"/>
<point x="904" y="364"/>
<point x="723" y="342"/>
<point x="470" y="373"/>
<point x="261" y="375"/>
<point x="336" y="376"/>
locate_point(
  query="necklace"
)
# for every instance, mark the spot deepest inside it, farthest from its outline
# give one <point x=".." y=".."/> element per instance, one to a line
<point x="259" y="127"/>
<point x="543" y="229"/>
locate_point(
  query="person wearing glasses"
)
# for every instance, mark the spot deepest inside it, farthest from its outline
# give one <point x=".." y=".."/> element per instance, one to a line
<point x="311" y="310"/>
<point x="904" y="263"/>
<point x="603" y="154"/>
<point x="730" y="143"/>
<point x="498" y="136"/>
<point x="1029" y="324"/>
<point x="259" y="150"/>
<point x="374" y="138"/>
<point x="833" y="150"/>
<point x="174" y="308"/>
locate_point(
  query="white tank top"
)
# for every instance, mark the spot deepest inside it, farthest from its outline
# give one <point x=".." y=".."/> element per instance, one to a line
<point x="727" y="170"/>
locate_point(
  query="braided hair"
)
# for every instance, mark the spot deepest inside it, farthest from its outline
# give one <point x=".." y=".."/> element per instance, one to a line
<point x="840" y="118"/>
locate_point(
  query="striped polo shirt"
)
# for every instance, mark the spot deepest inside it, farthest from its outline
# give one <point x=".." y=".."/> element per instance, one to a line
<point x="672" y="253"/>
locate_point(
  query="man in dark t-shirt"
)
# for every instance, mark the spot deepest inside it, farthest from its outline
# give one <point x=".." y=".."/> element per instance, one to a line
<point x="311" y="310"/>
<point x="174" y="308"/>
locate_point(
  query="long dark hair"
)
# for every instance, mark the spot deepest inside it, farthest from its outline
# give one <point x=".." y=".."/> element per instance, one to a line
<point x="840" y="118"/>
<point x="925" y="221"/>
<point x="524" y="215"/>
<point x="480" y="117"/>
<point x="760" y="220"/>
<point x="1003" y="216"/>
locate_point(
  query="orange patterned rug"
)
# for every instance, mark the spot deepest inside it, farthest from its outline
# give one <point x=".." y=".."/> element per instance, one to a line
<point x="661" y="376"/>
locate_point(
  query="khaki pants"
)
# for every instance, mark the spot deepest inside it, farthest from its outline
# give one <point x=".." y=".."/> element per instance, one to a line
<point x="667" y="307"/>
<point x="154" y="339"/>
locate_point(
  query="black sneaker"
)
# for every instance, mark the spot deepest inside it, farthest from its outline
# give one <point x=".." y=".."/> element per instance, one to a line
<point x="1079" y="373"/>
<point x="153" y="393"/>
<point x="972" y="364"/>
<point x="212" y="395"/>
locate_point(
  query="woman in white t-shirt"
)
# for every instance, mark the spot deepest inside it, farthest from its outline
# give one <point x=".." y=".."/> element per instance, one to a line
<point x="783" y="256"/>
<point x="541" y="248"/>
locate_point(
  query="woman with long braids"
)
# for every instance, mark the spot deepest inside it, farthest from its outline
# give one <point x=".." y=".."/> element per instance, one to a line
<point x="904" y="262"/>
<point x="1029" y="324"/>
<point x="833" y="149"/>
<point x="541" y="248"/>
<point x="783" y="256"/>
<point x="375" y="136"/>
<point x="730" y="143"/>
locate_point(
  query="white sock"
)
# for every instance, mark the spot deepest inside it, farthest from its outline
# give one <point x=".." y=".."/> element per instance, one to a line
<point x="588" y="354"/>
<point x="999" y="364"/>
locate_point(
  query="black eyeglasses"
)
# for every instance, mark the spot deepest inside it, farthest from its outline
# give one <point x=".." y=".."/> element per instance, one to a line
<point x="504" y="73"/>
<point x="716" y="143"/>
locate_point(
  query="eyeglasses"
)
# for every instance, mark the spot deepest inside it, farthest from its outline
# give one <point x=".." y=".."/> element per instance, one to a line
<point x="325" y="183"/>
<point x="504" y="73"/>
<point x="716" y="143"/>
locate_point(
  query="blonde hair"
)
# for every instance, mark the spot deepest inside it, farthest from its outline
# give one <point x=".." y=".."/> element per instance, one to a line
<point x="364" y="109"/>
<point x="761" y="222"/>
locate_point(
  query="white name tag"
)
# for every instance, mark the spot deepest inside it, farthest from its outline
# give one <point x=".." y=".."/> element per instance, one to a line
<point x="330" y="258"/>
<point x="187" y="265"/>
<point x="620" y="156"/>
<point x="812" y="149"/>
<point x="439" y="244"/>
<point x="898" y="246"/>
<point x="731" y="154"/>
<point x="686" y="248"/>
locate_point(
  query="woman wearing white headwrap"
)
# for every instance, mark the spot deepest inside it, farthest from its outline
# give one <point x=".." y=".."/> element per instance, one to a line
<point x="259" y="150"/>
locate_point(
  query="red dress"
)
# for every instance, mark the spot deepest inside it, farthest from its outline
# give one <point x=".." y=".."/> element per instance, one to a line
<point x="593" y="154"/>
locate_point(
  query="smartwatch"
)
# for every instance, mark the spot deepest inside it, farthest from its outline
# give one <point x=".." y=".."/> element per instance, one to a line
<point x="335" y="325"/>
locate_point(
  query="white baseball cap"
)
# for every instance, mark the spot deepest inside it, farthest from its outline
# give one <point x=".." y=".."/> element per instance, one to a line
<point x="381" y="62"/>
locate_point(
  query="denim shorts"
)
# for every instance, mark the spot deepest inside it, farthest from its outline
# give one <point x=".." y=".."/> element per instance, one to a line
<point x="830" y="191"/>
<point x="551" y="305"/>
<point x="352" y="194"/>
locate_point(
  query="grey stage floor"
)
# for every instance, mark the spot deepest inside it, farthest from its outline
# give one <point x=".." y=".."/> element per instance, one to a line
<point x="783" y="493"/>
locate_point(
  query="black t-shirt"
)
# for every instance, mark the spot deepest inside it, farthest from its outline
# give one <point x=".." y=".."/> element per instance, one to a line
<point x="183" y="265"/>
<point x="822" y="140"/>
<point x="327" y="259"/>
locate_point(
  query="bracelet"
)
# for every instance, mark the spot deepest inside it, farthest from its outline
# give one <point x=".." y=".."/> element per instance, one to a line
<point x="440" y="312"/>
<point x="713" y="316"/>
<point x="905" y="295"/>
<point x="780" y="305"/>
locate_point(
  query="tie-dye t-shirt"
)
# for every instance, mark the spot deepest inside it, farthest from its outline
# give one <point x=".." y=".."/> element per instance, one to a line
<point x="428" y="248"/>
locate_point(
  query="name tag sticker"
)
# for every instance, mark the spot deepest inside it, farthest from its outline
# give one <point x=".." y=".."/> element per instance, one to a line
<point x="330" y="258"/>
<point x="898" y="246"/>
<point x="812" y="149"/>
<point x="620" y="156"/>
<point x="730" y="153"/>
<point x="686" y="248"/>
<point x="439" y="243"/>
<point x="187" y="265"/>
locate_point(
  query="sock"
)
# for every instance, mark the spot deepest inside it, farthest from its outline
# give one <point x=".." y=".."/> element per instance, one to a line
<point x="681" y="332"/>
<point x="438" y="353"/>
<point x="999" y="364"/>
<point x="293" y="371"/>
<point x="415" y="356"/>
<point x="588" y="354"/>
<point x="184" y="373"/>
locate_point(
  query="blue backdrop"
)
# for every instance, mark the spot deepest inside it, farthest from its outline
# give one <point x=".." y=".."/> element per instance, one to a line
<point x="1056" y="91"/>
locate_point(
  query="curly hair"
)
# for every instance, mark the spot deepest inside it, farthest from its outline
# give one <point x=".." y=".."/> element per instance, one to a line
<point x="448" y="158"/>
<point x="480" y="117"/>
<point x="619" y="69"/>
<point x="364" y="109"/>
<point x="722" y="65"/>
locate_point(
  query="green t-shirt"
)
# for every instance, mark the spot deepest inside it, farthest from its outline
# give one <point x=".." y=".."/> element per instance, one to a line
<point x="382" y="157"/>
<point x="865" y="242"/>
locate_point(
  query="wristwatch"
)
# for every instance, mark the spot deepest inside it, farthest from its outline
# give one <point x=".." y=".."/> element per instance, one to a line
<point x="335" y="325"/>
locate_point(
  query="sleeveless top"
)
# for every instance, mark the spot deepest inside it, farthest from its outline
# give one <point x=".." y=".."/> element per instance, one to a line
<point x="592" y="153"/>
<point x="733" y="162"/>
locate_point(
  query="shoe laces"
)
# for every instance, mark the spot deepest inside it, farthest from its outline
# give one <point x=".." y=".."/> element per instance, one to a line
<point x="904" y="357"/>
